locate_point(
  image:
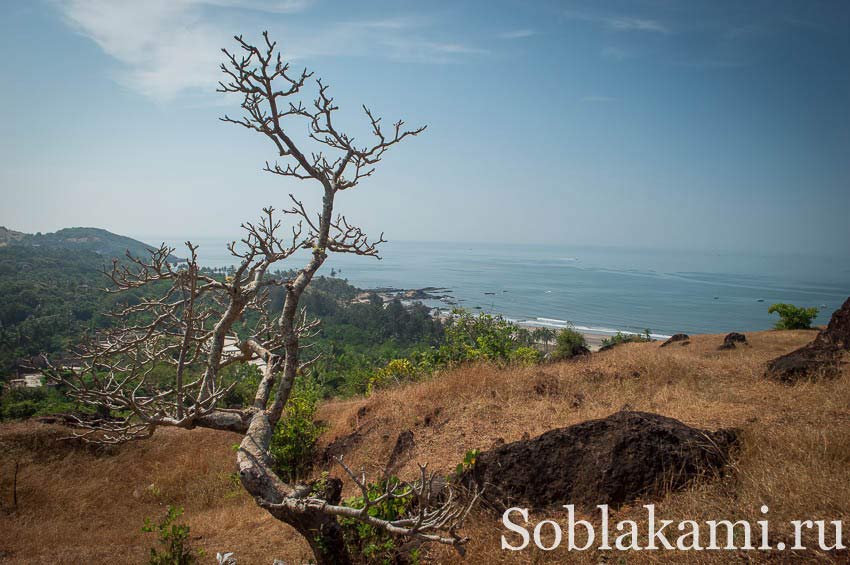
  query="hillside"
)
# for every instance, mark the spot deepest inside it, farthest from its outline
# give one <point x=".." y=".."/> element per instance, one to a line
<point x="54" y="292"/>
<point x="94" y="240"/>
<point x="76" y="506"/>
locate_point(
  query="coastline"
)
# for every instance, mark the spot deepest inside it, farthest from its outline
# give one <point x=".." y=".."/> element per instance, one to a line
<point x="438" y="298"/>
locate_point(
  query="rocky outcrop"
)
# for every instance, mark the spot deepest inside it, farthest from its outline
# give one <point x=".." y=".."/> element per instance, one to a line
<point x="820" y="359"/>
<point x="613" y="460"/>
<point x="733" y="338"/>
<point x="683" y="338"/>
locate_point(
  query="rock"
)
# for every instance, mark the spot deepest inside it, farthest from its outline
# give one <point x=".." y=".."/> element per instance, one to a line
<point x="614" y="460"/>
<point x="838" y="331"/>
<point x="820" y="359"/>
<point x="731" y="339"/>
<point x="675" y="338"/>
<point x="403" y="444"/>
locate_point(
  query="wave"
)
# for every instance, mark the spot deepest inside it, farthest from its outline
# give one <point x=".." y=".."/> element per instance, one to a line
<point x="556" y="323"/>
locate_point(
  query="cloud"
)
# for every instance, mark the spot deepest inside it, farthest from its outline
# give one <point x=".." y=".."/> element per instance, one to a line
<point x="620" y="23"/>
<point x="166" y="48"/>
<point x="636" y="24"/>
<point x="271" y="6"/>
<point x="518" y="34"/>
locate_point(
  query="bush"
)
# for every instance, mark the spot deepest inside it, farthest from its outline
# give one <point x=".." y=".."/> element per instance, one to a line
<point x="568" y="344"/>
<point x="174" y="538"/>
<point x="295" y="436"/>
<point x="471" y="337"/>
<point x="23" y="403"/>
<point x="627" y="338"/>
<point x="395" y="372"/>
<point x="375" y="545"/>
<point x="793" y="317"/>
<point x="526" y="356"/>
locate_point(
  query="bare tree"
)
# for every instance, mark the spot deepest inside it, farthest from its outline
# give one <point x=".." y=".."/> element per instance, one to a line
<point x="186" y="324"/>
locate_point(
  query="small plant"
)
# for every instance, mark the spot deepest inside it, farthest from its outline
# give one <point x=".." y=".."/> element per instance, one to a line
<point x="295" y="436"/>
<point x="373" y="544"/>
<point x="568" y="344"/>
<point x="174" y="539"/>
<point x="467" y="463"/>
<point x="793" y="317"/>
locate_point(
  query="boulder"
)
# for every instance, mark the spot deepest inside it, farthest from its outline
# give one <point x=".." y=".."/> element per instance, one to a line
<point x="614" y="460"/>
<point x="676" y="337"/>
<point x="820" y="359"/>
<point x="731" y="339"/>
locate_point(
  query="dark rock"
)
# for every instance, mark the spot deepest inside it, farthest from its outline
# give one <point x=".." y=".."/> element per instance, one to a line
<point x="675" y="338"/>
<point x="731" y="339"/>
<point x="837" y="332"/>
<point x="614" y="460"/>
<point x="403" y="444"/>
<point x="820" y="359"/>
<point x="341" y="446"/>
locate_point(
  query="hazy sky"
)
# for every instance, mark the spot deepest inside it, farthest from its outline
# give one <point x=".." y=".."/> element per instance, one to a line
<point x="722" y="125"/>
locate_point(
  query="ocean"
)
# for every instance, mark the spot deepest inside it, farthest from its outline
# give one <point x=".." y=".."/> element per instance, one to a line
<point x="597" y="289"/>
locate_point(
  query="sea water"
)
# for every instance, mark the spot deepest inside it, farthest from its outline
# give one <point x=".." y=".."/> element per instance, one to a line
<point x="597" y="289"/>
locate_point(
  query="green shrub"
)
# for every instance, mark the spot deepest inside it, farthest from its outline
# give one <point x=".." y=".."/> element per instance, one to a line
<point x="526" y="356"/>
<point x="174" y="539"/>
<point x="793" y="317"/>
<point x="375" y="545"/>
<point x="23" y="403"/>
<point x="295" y="436"/>
<point x="568" y="344"/>
<point x="627" y="338"/>
<point x="395" y="372"/>
<point x="471" y="337"/>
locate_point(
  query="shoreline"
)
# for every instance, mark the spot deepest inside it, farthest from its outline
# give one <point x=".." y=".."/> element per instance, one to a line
<point x="438" y="298"/>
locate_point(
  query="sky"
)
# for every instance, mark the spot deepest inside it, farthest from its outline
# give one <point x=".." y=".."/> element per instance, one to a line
<point x="713" y="125"/>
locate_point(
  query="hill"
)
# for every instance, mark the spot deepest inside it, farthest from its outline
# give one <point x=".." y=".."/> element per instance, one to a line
<point x="94" y="240"/>
<point x="51" y="293"/>
<point x="79" y="506"/>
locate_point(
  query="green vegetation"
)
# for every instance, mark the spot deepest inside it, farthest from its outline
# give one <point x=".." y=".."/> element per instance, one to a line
<point x="568" y="344"/>
<point x="54" y="297"/>
<point x="92" y="240"/>
<point x="50" y="298"/>
<point x="373" y="544"/>
<point x="22" y="403"/>
<point x="627" y="338"/>
<point x="295" y="436"/>
<point x="173" y="539"/>
<point x="467" y="464"/>
<point x="793" y="317"/>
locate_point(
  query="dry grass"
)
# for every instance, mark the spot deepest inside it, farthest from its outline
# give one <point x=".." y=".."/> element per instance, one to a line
<point x="82" y="508"/>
